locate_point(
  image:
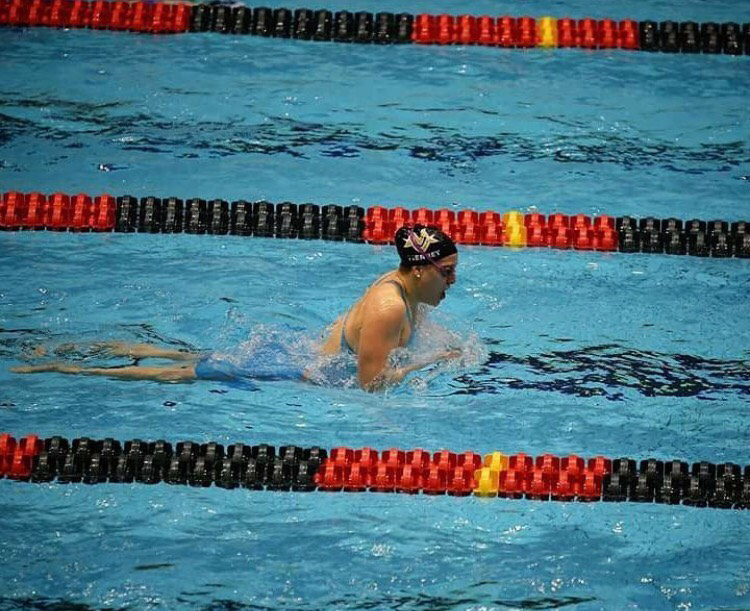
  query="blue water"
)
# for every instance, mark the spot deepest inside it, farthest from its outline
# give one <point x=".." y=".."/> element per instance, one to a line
<point x="622" y="355"/>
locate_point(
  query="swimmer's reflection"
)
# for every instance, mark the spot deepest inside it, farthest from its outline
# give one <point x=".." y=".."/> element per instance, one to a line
<point x="383" y="319"/>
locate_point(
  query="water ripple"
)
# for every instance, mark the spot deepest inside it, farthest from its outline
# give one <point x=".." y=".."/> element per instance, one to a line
<point x="395" y="601"/>
<point x="457" y="152"/>
<point x="608" y="371"/>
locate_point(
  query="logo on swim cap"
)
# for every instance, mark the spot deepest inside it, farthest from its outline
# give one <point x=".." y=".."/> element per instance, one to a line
<point x="420" y="242"/>
<point x="418" y="245"/>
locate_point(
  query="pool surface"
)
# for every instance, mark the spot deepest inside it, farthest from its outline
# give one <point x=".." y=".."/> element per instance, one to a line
<point x="566" y="352"/>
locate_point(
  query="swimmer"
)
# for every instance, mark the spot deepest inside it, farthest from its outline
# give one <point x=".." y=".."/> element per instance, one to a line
<point x="382" y="320"/>
<point x="386" y="316"/>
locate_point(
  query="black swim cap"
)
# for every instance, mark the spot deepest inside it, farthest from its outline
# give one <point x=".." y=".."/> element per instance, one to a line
<point x="419" y="245"/>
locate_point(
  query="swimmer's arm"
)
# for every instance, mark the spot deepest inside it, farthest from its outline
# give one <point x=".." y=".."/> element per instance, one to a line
<point x="378" y="337"/>
<point x="391" y="375"/>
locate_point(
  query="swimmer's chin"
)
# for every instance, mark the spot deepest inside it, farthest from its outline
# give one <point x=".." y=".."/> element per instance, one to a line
<point x="437" y="300"/>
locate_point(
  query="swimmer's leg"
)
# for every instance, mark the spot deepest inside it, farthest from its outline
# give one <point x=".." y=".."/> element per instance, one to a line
<point x="115" y="349"/>
<point x="143" y="351"/>
<point x="167" y="373"/>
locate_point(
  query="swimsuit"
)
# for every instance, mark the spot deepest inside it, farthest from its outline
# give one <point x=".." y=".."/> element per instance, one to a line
<point x="276" y="355"/>
<point x="272" y="361"/>
<point x="346" y="346"/>
<point x="215" y="367"/>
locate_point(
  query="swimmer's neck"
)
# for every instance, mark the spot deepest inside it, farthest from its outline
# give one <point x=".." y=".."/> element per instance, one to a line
<point x="410" y="288"/>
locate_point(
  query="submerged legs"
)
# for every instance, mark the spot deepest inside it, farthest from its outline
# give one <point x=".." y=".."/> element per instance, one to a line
<point x="165" y="373"/>
<point x="143" y="351"/>
<point x="161" y="373"/>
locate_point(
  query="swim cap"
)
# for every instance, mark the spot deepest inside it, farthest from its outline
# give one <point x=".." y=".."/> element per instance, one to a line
<point x="419" y="245"/>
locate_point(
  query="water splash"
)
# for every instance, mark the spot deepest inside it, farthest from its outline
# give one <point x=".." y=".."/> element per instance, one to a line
<point x="431" y="342"/>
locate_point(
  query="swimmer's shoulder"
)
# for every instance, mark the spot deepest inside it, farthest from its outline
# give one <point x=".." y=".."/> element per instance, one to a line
<point x="385" y="307"/>
<point x="387" y="292"/>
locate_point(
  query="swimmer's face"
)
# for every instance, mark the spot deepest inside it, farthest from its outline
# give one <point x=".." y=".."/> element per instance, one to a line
<point x="438" y="278"/>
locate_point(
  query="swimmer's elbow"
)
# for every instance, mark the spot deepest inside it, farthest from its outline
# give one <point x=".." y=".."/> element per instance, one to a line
<point x="370" y="383"/>
<point x="370" y="373"/>
<point x="374" y="386"/>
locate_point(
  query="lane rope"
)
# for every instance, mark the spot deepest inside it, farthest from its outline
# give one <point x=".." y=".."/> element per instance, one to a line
<point x="343" y="469"/>
<point x="508" y="32"/>
<point x="375" y="225"/>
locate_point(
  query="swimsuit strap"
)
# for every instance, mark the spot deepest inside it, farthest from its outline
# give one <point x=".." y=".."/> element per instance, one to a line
<point x="402" y="290"/>
<point x="345" y="345"/>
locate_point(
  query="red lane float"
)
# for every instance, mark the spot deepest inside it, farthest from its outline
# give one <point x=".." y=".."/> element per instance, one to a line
<point x="157" y="18"/>
<point x="57" y="212"/>
<point x="17" y="459"/>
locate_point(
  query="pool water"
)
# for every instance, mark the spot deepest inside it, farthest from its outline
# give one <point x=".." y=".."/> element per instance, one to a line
<point x="566" y="352"/>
